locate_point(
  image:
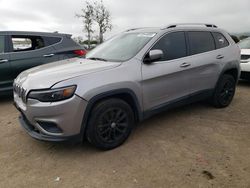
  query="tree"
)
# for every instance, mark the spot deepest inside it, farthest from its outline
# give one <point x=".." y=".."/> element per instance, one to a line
<point x="79" y="40"/>
<point x="87" y="16"/>
<point x="243" y="37"/>
<point x="235" y="38"/>
<point x="102" y="18"/>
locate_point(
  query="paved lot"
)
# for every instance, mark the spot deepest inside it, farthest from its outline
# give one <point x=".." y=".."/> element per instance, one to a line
<point x="195" y="146"/>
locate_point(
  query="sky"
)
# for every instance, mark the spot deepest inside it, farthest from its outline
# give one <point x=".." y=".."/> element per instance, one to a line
<point x="59" y="15"/>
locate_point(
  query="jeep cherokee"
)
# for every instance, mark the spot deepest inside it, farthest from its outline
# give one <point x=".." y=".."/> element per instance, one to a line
<point x="126" y="79"/>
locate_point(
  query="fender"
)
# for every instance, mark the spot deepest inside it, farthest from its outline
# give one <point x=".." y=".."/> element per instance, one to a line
<point x="93" y="100"/>
<point x="228" y="68"/>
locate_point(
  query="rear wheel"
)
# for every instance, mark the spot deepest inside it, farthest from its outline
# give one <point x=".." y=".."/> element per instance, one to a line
<point x="224" y="92"/>
<point x="110" y="124"/>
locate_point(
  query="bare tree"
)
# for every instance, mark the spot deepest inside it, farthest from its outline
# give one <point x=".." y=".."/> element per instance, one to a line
<point x="102" y="18"/>
<point x="79" y="40"/>
<point x="88" y="19"/>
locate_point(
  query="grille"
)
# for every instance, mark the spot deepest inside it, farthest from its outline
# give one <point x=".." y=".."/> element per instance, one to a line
<point x="20" y="91"/>
<point x="245" y="57"/>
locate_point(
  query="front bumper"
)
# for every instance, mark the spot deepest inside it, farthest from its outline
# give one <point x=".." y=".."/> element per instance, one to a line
<point x="66" y="115"/>
<point x="245" y="66"/>
<point x="245" y="69"/>
<point x="35" y="133"/>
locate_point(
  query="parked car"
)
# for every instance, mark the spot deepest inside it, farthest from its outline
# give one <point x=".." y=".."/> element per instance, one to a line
<point x="22" y="50"/>
<point x="126" y="79"/>
<point x="245" y="58"/>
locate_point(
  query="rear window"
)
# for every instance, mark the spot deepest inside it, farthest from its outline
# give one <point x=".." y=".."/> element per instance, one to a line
<point x="220" y="40"/>
<point x="51" y="40"/>
<point x="2" y="44"/>
<point x="200" y="42"/>
<point x="26" y="43"/>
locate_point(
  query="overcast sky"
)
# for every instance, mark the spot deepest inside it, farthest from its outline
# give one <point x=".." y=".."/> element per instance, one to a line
<point x="59" y="15"/>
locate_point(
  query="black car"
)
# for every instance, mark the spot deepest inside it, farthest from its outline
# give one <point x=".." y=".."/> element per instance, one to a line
<point x="22" y="50"/>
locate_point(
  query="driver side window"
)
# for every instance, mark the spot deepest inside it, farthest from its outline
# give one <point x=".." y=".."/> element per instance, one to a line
<point x="173" y="46"/>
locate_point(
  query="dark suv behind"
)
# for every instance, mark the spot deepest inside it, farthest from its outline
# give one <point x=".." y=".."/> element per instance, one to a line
<point x="22" y="50"/>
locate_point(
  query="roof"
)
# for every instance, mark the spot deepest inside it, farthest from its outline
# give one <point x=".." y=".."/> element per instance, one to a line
<point x="55" y="34"/>
<point x="185" y="26"/>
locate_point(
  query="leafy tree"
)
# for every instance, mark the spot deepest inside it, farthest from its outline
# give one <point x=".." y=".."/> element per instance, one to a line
<point x="235" y="38"/>
<point x="88" y="21"/>
<point x="243" y="37"/>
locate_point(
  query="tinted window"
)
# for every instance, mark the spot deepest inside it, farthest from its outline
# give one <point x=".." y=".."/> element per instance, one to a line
<point x="173" y="46"/>
<point x="220" y="40"/>
<point x="51" y="40"/>
<point x="1" y="44"/>
<point x="26" y="43"/>
<point x="200" y="41"/>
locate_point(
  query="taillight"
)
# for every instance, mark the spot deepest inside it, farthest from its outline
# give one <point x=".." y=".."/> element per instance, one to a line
<point x="80" y="52"/>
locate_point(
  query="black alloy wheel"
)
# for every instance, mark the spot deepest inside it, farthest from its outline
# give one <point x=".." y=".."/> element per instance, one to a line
<point x="110" y="124"/>
<point x="224" y="92"/>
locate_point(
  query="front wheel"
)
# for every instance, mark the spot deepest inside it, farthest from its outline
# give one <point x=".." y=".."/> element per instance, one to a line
<point x="110" y="124"/>
<point x="224" y="91"/>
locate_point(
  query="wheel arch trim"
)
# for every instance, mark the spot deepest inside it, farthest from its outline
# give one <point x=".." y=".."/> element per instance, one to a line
<point x="113" y="93"/>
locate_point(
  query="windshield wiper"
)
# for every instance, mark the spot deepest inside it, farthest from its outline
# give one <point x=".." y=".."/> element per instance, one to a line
<point x="97" y="59"/>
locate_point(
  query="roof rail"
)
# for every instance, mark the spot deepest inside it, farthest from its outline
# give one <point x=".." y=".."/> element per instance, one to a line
<point x="187" y="24"/>
<point x="132" y="29"/>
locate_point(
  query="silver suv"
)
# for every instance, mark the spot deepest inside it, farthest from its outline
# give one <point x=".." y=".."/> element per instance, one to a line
<point x="126" y="79"/>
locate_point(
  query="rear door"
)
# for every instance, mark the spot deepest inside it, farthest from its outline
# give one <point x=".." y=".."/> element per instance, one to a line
<point x="5" y="69"/>
<point x="28" y="51"/>
<point x="204" y="60"/>
<point x="53" y="42"/>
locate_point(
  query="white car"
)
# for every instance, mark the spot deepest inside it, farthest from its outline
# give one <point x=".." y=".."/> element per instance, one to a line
<point x="245" y="58"/>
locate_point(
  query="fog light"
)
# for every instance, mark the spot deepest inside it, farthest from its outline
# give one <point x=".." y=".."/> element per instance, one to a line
<point x="50" y="127"/>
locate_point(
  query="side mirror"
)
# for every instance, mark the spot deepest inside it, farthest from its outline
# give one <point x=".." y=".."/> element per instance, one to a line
<point x="153" y="55"/>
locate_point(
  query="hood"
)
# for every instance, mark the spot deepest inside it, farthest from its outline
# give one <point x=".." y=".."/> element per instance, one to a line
<point x="47" y="75"/>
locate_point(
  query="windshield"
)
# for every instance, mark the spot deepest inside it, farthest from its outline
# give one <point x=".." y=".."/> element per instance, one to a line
<point x="245" y="44"/>
<point x="121" y="47"/>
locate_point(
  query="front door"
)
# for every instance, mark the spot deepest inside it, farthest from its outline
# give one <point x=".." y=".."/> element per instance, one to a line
<point x="166" y="80"/>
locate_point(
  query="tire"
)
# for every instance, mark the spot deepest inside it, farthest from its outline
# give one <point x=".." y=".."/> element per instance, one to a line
<point x="224" y="91"/>
<point x="110" y="124"/>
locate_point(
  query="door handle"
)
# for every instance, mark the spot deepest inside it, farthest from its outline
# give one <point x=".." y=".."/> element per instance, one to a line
<point x="183" y="65"/>
<point x="219" y="57"/>
<point x="4" y="60"/>
<point x="48" y="55"/>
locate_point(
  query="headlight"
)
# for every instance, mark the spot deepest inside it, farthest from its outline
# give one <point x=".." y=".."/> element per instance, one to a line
<point x="53" y="95"/>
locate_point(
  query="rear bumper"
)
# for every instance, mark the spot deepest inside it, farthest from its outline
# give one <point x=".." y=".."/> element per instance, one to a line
<point x="35" y="133"/>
